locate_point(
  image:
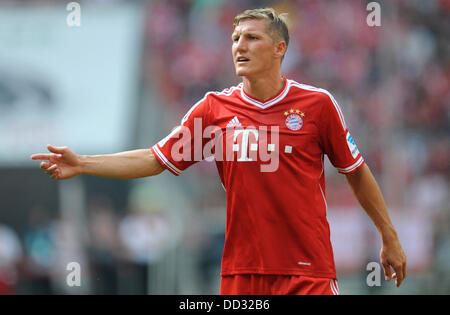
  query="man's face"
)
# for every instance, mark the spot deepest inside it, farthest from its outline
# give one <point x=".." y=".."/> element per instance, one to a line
<point x="254" y="52"/>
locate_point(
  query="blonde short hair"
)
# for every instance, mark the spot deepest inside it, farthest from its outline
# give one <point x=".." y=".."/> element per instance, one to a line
<point x="276" y="23"/>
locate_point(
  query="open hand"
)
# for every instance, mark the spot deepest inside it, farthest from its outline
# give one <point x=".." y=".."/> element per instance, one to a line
<point x="61" y="163"/>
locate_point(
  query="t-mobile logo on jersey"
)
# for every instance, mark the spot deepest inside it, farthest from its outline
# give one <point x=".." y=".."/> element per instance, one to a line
<point x="258" y="145"/>
<point x="245" y="137"/>
<point x="254" y="146"/>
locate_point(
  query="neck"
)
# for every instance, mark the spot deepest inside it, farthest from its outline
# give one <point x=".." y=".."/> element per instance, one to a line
<point x="263" y="88"/>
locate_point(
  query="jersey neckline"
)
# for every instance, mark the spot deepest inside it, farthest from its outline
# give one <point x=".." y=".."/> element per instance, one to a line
<point x="272" y="101"/>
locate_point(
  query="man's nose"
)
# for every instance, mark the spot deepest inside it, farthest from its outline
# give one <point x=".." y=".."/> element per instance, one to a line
<point x="241" y="44"/>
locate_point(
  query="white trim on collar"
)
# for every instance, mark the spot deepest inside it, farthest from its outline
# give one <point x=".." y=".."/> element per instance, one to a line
<point x="269" y="103"/>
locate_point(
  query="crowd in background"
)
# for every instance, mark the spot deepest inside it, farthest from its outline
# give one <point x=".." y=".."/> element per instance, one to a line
<point x="392" y="82"/>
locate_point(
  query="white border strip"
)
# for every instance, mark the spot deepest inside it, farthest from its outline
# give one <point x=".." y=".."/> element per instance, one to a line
<point x="324" y="199"/>
<point x="334" y="288"/>
<point x="321" y="190"/>
<point x="269" y="103"/>
<point x="166" y="161"/>
<point x="352" y="167"/>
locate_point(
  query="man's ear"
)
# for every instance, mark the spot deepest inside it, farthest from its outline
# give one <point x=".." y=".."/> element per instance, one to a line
<point x="280" y="49"/>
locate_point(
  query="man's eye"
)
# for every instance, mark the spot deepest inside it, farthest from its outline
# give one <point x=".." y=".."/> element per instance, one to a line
<point x="235" y="39"/>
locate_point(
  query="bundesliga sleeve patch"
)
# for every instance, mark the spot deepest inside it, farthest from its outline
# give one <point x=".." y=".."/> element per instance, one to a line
<point x="352" y="145"/>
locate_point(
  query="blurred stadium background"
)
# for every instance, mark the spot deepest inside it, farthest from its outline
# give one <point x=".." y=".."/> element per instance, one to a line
<point x="124" y="79"/>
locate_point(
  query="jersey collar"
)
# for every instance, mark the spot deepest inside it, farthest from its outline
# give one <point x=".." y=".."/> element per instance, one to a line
<point x="272" y="101"/>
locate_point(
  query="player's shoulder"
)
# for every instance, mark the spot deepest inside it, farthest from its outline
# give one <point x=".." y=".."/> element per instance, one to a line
<point x="311" y="90"/>
<point x="326" y="101"/>
<point x="211" y="97"/>
<point x="229" y="92"/>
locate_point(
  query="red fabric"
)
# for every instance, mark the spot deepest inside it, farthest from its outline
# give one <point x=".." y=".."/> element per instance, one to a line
<point x="276" y="219"/>
<point x="277" y="285"/>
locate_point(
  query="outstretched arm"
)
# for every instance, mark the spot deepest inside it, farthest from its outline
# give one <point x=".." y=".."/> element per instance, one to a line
<point x="368" y="193"/>
<point x="63" y="163"/>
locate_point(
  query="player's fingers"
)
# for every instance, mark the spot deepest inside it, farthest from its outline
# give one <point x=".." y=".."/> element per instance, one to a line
<point x="42" y="156"/>
<point x="46" y="156"/>
<point x="45" y="165"/>
<point x="53" y="149"/>
<point x="56" y="173"/>
<point x="398" y="275"/>
<point x="387" y="271"/>
<point x="52" y="168"/>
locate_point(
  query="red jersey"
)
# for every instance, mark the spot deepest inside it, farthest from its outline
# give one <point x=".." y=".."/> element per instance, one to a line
<point x="270" y="159"/>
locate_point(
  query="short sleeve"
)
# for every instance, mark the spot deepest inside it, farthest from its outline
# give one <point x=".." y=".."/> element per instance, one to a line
<point x="183" y="147"/>
<point x="336" y="139"/>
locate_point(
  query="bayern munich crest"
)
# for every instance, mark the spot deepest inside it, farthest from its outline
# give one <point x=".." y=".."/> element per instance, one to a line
<point x="294" y="120"/>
